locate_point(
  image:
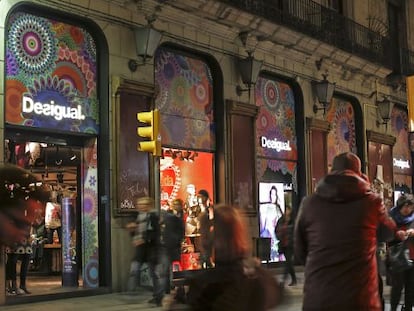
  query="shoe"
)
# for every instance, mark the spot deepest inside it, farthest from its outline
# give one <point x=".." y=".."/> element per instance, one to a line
<point x="155" y="301"/>
<point x="20" y="291"/>
<point x="11" y="292"/>
<point x="293" y="283"/>
<point x="23" y="288"/>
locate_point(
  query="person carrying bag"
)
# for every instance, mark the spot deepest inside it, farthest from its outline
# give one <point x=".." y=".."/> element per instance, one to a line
<point x="401" y="252"/>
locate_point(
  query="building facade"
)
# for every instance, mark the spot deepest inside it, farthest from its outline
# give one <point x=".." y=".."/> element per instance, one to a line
<point x="240" y="117"/>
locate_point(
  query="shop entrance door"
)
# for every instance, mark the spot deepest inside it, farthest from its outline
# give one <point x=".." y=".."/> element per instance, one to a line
<point x="54" y="258"/>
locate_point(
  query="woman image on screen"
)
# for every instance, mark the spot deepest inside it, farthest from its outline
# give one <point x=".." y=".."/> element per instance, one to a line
<point x="269" y="215"/>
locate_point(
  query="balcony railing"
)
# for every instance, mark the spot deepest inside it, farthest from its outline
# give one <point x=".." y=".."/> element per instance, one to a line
<point x="326" y="25"/>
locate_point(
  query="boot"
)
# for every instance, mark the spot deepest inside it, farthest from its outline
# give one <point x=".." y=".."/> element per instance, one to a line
<point x="293" y="282"/>
<point x="23" y="288"/>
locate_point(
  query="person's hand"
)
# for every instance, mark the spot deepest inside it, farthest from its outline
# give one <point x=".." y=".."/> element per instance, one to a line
<point x="138" y="242"/>
<point x="131" y="226"/>
<point x="410" y="232"/>
<point x="402" y="235"/>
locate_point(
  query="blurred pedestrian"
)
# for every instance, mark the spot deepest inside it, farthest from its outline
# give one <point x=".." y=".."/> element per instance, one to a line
<point x="403" y="215"/>
<point x="237" y="282"/>
<point x="21" y="251"/>
<point x="145" y="232"/>
<point x="284" y="233"/>
<point x="20" y="195"/>
<point x="172" y="235"/>
<point x="336" y="240"/>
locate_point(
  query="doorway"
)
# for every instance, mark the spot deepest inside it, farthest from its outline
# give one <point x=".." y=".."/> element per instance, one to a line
<point x="55" y="252"/>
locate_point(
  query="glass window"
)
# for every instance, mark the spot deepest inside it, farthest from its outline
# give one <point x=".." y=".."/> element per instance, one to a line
<point x="277" y="155"/>
<point x="52" y="66"/>
<point x="341" y="137"/>
<point x="401" y="152"/>
<point x="185" y="101"/>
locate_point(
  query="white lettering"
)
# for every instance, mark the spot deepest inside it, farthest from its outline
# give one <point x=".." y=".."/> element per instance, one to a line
<point x="275" y="144"/>
<point x="401" y="163"/>
<point x="51" y="109"/>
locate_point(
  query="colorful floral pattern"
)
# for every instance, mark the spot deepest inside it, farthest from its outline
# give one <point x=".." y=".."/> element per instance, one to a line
<point x="48" y="60"/>
<point x="276" y="121"/>
<point x="54" y="62"/>
<point x="90" y="218"/>
<point x="185" y="100"/>
<point x="341" y="137"/>
<point x="401" y="151"/>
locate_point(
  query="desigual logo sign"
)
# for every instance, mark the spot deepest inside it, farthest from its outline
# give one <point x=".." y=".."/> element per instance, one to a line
<point x="275" y="144"/>
<point x="401" y="163"/>
<point x="51" y="109"/>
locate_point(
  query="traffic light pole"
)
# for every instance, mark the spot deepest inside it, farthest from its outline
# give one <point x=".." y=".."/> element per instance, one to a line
<point x="157" y="189"/>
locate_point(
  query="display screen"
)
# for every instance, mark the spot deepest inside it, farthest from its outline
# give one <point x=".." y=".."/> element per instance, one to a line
<point x="272" y="202"/>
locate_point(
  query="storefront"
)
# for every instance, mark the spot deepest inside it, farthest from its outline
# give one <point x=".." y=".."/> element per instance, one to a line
<point x="185" y="99"/>
<point x="277" y="143"/>
<point x="402" y="162"/>
<point x="54" y="115"/>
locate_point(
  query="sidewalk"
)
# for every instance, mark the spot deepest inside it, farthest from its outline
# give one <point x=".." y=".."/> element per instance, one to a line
<point x="139" y="301"/>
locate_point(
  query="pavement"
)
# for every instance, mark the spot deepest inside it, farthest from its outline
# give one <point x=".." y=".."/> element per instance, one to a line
<point x="138" y="301"/>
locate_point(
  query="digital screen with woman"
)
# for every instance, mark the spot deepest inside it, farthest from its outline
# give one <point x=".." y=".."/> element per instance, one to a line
<point x="271" y="208"/>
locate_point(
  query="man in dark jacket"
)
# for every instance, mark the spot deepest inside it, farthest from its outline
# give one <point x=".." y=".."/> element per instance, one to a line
<point x="336" y="239"/>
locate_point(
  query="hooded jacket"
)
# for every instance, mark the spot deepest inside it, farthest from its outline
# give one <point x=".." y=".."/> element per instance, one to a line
<point x="335" y="237"/>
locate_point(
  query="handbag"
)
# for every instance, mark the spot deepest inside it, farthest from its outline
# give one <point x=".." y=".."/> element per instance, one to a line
<point x="399" y="257"/>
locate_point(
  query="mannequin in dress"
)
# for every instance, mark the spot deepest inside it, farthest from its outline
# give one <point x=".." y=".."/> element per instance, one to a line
<point x="53" y="218"/>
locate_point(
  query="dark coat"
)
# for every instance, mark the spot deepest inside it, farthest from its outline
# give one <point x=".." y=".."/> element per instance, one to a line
<point x="335" y="237"/>
<point x="148" y="252"/>
<point x="172" y="234"/>
<point x="284" y="233"/>
<point x="152" y="240"/>
<point x="228" y="287"/>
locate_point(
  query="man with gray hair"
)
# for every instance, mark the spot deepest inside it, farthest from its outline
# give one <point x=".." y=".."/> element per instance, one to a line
<point x="336" y="239"/>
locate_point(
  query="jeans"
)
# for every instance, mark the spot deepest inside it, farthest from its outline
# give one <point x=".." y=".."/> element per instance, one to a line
<point x="11" y="272"/>
<point x="134" y="275"/>
<point x="402" y="280"/>
<point x="160" y="273"/>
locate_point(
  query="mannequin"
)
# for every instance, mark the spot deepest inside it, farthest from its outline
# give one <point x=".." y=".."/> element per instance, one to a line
<point x="53" y="218"/>
<point x="191" y="199"/>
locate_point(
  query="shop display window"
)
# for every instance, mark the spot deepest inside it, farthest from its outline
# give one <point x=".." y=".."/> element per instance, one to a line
<point x="183" y="173"/>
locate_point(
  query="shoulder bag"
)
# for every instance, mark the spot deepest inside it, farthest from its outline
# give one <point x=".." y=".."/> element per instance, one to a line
<point x="399" y="257"/>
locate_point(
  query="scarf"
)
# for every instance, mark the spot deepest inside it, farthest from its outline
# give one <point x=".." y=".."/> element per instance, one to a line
<point x="399" y="219"/>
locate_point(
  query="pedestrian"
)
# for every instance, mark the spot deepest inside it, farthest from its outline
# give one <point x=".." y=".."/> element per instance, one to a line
<point x="403" y="215"/>
<point x="172" y="235"/>
<point x="237" y="282"/>
<point x="145" y="232"/>
<point x="20" y="196"/>
<point x="284" y="233"/>
<point x="21" y="251"/>
<point x="336" y="239"/>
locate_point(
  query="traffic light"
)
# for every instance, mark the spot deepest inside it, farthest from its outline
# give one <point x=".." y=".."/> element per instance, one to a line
<point x="150" y="131"/>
